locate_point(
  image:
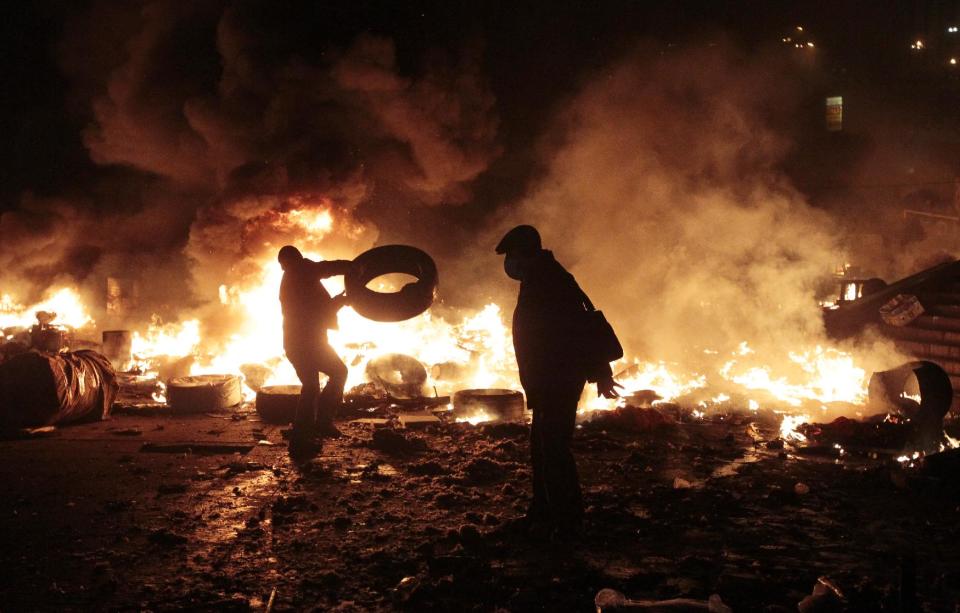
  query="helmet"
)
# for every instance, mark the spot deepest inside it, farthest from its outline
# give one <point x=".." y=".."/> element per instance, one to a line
<point x="523" y="240"/>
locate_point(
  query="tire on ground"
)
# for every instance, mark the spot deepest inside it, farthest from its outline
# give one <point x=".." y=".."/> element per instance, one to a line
<point x="201" y="393"/>
<point x="410" y="301"/>
<point x="277" y="404"/>
<point x="499" y="404"/>
<point x="399" y="375"/>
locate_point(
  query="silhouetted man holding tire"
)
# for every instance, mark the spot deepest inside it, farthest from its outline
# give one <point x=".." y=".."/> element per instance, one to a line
<point x="554" y="341"/>
<point x="308" y="313"/>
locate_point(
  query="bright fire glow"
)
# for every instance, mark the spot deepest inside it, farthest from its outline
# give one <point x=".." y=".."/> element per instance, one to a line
<point x="477" y="351"/>
<point x="825" y="374"/>
<point x="479" y="417"/>
<point x="465" y="349"/>
<point x="63" y="301"/>
<point x="788" y="427"/>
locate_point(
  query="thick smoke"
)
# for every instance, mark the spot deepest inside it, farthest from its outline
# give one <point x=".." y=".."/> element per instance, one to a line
<point x="660" y="187"/>
<point x="228" y="122"/>
<point x="663" y="197"/>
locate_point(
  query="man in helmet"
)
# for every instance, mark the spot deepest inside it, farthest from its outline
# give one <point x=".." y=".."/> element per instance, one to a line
<point x="552" y="374"/>
<point x="308" y="312"/>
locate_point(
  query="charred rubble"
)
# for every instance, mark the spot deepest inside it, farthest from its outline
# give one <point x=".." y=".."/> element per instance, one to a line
<point x="414" y="510"/>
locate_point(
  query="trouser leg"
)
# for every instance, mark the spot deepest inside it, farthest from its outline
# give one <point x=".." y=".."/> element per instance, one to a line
<point x="332" y="395"/>
<point x="309" y="376"/>
<point x="561" y="481"/>
<point x="538" y="507"/>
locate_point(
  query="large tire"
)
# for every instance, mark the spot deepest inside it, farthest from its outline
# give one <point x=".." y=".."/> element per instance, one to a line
<point x="399" y="375"/>
<point x="500" y="404"/>
<point x="413" y="299"/>
<point x="277" y="404"/>
<point x="202" y="393"/>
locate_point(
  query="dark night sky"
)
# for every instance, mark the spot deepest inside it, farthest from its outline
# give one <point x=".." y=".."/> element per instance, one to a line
<point x="534" y="54"/>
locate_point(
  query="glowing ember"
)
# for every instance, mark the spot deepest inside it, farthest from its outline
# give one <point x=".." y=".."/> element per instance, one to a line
<point x="160" y="393"/>
<point x="477" y="418"/>
<point x="908" y="459"/>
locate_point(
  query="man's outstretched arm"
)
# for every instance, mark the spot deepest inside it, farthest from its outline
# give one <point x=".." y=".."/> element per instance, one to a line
<point x="330" y="268"/>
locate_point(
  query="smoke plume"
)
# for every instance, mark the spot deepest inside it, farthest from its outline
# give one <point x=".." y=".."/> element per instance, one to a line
<point x="228" y="121"/>
<point x="663" y="196"/>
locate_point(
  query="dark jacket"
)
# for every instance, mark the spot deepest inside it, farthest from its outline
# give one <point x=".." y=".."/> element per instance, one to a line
<point x="549" y="309"/>
<point x="308" y="310"/>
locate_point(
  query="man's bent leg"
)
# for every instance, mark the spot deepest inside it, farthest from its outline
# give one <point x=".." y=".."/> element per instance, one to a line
<point x="332" y="395"/>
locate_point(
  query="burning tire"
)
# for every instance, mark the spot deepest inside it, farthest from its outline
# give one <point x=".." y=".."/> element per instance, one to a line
<point x="203" y="393"/>
<point x="497" y="404"/>
<point x="888" y="391"/>
<point x="410" y="301"/>
<point x="399" y="375"/>
<point x="277" y="404"/>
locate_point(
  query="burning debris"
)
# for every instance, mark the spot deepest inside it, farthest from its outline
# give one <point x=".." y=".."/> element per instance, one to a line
<point x="753" y="424"/>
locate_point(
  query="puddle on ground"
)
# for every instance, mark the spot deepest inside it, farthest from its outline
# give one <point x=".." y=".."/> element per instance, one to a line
<point x="240" y="497"/>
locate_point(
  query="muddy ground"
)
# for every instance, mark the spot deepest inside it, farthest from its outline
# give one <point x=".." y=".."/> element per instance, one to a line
<point x="194" y="512"/>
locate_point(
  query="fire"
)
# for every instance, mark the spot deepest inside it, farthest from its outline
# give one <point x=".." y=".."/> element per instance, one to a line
<point x="477" y="418"/>
<point x="473" y="351"/>
<point x="825" y="375"/>
<point x="788" y="427"/>
<point x="479" y="347"/>
<point x="161" y="339"/>
<point x="63" y="301"/>
<point x="464" y="349"/>
<point x="660" y="377"/>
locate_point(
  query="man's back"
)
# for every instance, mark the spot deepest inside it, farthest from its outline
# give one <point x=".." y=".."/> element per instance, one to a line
<point x="306" y="304"/>
<point x="548" y="307"/>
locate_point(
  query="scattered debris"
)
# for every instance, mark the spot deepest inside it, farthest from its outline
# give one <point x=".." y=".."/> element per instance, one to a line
<point x="495" y="404"/>
<point x="631" y="419"/>
<point x="166" y="538"/>
<point x="41" y="432"/>
<point x="608" y="600"/>
<point x="196" y="448"/>
<point x="408" y="420"/>
<point x="375" y="422"/>
<point x="826" y="597"/>
<point x="127" y="432"/>
<point x="391" y="441"/>
<point x="405" y="590"/>
<point x="483" y="470"/>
